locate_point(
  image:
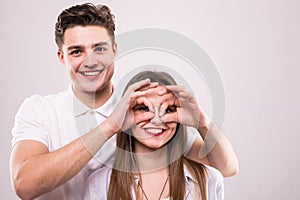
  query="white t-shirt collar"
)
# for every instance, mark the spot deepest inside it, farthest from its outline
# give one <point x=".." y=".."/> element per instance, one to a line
<point x="105" y="110"/>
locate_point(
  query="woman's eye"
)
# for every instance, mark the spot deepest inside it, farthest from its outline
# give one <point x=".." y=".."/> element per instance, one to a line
<point x="171" y="109"/>
<point x="141" y="108"/>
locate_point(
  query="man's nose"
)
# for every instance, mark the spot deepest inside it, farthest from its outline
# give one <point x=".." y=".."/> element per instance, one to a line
<point x="90" y="61"/>
<point x="156" y="119"/>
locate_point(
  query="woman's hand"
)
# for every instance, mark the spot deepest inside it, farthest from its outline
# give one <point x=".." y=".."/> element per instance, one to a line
<point x="188" y="112"/>
<point x="122" y="116"/>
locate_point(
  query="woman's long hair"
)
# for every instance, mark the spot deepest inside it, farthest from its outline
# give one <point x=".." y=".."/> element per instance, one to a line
<point x="122" y="179"/>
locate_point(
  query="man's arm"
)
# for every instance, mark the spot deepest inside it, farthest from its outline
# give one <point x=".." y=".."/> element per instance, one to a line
<point x="36" y="171"/>
<point x="215" y="150"/>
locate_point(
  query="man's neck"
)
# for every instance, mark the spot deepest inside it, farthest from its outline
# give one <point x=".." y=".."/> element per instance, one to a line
<point x="95" y="99"/>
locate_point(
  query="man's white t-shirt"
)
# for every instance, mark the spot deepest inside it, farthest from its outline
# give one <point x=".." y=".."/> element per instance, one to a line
<point x="56" y="120"/>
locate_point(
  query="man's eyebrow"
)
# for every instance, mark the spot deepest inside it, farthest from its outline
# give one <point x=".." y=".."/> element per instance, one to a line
<point x="80" y="47"/>
<point x="75" y="47"/>
<point x="99" y="44"/>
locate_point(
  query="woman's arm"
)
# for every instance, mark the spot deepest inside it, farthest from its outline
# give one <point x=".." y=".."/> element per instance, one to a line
<point x="212" y="148"/>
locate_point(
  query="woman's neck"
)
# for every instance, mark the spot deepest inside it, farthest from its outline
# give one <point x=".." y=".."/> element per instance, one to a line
<point x="153" y="161"/>
<point x="154" y="184"/>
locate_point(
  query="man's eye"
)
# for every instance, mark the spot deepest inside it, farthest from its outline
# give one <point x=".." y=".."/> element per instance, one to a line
<point x="141" y="108"/>
<point x="171" y="109"/>
<point x="75" y="52"/>
<point x="100" y="49"/>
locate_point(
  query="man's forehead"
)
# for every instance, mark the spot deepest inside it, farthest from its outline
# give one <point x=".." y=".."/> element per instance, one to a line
<point x="86" y="35"/>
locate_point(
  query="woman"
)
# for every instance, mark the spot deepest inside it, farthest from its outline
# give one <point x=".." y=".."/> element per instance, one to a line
<point x="150" y="161"/>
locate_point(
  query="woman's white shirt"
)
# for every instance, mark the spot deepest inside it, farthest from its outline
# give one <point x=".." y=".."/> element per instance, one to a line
<point x="98" y="184"/>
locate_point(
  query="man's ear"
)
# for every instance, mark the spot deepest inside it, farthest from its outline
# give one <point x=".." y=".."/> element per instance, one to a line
<point x="60" y="56"/>
<point x="115" y="48"/>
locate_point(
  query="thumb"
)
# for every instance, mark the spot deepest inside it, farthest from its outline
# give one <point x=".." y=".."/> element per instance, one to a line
<point x="172" y="117"/>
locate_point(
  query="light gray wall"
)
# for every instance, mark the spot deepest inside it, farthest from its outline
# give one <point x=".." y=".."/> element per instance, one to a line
<point x="254" y="44"/>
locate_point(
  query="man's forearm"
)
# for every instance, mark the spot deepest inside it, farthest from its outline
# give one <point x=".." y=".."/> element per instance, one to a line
<point x="218" y="150"/>
<point x="41" y="173"/>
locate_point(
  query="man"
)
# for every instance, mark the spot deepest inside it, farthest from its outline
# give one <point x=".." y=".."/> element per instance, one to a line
<point x="54" y="146"/>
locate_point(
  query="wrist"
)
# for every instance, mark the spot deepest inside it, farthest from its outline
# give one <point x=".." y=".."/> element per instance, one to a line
<point x="204" y="124"/>
<point x="108" y="129"/>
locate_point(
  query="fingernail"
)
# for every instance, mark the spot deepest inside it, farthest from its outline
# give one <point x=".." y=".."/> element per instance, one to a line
<point x="161" y="92"/>
<point x="161" y="113"/>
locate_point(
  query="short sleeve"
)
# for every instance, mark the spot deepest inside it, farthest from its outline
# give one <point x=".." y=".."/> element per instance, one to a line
<point x="215" y="184"/>
<point x="29" y="122"/>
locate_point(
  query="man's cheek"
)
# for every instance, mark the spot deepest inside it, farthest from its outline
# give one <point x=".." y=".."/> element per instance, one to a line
<point x="106" y="59"/>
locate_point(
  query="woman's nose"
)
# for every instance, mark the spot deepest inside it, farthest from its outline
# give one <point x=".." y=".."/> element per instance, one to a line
<point x="156" y="119"/>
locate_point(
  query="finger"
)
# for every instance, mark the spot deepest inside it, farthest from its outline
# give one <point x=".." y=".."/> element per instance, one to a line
<point x="175" y="88"/>
<point x="137" y="94"/>
<point x="168" y="97"/>
<point x="172" y="117"/>
<point x="139" y="84"/>
<point x="168" y="102"/>
<point x="143" y="117"/>
<point x="132" y="98"/>
<point x="185" y="94"/>
<point x="146" y="102"/>
<point x="181" y="93"/>
<point x="163" y="91"/>
<point x="163" y="108"/>
<point x="150" y="89"/>
<point x="149" y="86"/>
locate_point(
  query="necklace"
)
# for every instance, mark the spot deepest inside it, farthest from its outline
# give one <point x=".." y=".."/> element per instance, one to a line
<point x="160" y="192"/>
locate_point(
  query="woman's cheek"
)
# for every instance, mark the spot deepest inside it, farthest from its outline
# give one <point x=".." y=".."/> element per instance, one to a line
<point x="142" y="117"/>
<point x="171" y="125"/>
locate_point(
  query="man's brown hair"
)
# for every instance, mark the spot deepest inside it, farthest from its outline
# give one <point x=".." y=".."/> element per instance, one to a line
<point x="83" y="15"/>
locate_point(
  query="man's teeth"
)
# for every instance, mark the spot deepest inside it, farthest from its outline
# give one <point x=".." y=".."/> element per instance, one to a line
<point x="154" y="131"/>
<point x="91" y="73"/>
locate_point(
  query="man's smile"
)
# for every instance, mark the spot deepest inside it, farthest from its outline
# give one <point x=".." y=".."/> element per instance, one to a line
<point x="91" y="73"/>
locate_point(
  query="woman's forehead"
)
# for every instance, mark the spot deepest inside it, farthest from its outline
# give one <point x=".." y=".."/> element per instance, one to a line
<point x="153" y="96"/>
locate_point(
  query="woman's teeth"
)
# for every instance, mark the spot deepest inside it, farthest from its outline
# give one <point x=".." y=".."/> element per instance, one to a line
<point x="154" y="131"/>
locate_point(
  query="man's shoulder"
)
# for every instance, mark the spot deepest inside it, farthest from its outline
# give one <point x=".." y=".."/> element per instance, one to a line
<point x="50" y="99"/>
<point x="37" y="104"/>
<point x="100" y="178"/>
<point x="103" y="171"/>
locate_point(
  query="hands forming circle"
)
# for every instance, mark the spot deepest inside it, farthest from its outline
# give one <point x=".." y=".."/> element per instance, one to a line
<point x="177" y="105"/>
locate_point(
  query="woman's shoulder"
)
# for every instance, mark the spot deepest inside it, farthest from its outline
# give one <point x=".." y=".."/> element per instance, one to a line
<point x="215" y="184"/>
<point x="214" y="174"/>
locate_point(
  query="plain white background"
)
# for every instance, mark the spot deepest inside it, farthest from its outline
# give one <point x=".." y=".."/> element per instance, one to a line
<point x="255" y="45"/>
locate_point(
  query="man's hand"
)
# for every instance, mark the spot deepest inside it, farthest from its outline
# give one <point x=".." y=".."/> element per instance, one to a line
<point x="122" y="116"/>
<point x="188" y="112"/>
